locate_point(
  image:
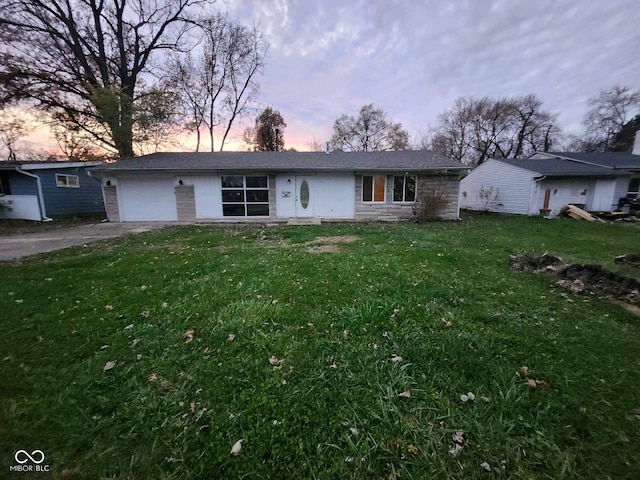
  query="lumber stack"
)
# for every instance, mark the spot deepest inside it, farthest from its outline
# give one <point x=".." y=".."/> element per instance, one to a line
<point x="579" y="214"/>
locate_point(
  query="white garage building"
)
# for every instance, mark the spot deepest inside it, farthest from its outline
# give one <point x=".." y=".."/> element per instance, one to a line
<point x="545" y="182"/>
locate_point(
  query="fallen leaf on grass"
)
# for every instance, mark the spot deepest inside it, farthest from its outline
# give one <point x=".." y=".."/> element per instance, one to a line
<point x="455" y="451"/>
<point x="412" y="449"/>
<point x="396" y="358"/>
<point x="486" y="466"/>
<point x="524" y="371"/>
<point x="458" y="437"/>
<point x="447" y="323"/>
<point x="405" y="394"/>
<point x="199" y="414"/>
<point x="235" y="450"/>
<point x="108" y="307"/>
<point x="165" y="304"/>
<point x="145" y="314"/>
<point x="188" y="335"/>
<point x="542" y="384"/>
<point x="109" y="366"/>
<point x="143" y="288"/>
<point x="354" y="431"/>
<point x="231" y="337"/>
<point x="310" y="324"/>
<point x="333" y="365"/>
<point x="192" y="407"/>
<point x="274" y="361"/>
<point x="153" y="377"/>
<point x="485" y="399"/>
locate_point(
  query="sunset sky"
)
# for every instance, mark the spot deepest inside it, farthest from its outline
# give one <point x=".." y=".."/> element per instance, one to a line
<point x="414" y="58"/>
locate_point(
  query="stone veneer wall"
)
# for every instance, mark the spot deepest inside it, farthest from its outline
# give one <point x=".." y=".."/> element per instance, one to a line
<point x="185" y="203"/>
<point x="272" y="198"/>
<point x="110" y="193"/>
<point x="397" y="211"/>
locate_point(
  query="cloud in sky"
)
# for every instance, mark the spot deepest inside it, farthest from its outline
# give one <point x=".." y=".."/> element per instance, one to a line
<point x="414" y="59"/>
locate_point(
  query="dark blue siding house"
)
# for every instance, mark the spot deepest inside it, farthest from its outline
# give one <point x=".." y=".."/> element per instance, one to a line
<point x="46" y="190"/>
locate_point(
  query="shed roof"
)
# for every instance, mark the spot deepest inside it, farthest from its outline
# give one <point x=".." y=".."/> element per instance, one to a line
<point x="617" y="160"/>
<point x="411" y="160"/>
<point x="562" y="167"/>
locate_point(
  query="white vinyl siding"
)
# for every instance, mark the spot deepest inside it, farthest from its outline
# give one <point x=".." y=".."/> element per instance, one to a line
<point x="511" y="188"/>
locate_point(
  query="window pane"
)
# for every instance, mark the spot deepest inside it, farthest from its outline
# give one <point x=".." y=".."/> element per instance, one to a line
<point x="379" y="191"/>
<point x="398" y="188"/>
<point x="72" y="180"/>
<point x="258" y="210"/>
<point x="61" y="180"/>
<point x="232" y="182"/>
<point x="257" y="195"/>
<point x="231" y="210"/>
<point x="410" y="189"/>
<point x="236" y="196"/>
<point x="256" y="182"/>
<point x="367" y="188"/>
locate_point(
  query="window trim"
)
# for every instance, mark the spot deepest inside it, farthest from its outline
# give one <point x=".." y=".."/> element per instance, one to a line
<point x="404" y="183"/>
<point x="246" y="203"/>
<point x="373" y="190"/>
<point x="66" y="177"/>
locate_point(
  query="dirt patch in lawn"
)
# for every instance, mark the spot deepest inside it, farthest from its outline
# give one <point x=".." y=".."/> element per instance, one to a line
<point x="586" y="279"/>
<point x="632" y="259"/>
<point x="335" y="240"/>
<point x="324" y="249"/>
<point x="330" y="244"/>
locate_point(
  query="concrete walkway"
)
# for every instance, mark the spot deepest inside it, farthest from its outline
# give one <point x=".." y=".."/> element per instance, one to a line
<point x="15" y="247"/>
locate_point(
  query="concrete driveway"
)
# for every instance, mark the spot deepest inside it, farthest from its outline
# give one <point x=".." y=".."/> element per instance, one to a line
<point x="15" y="247"/>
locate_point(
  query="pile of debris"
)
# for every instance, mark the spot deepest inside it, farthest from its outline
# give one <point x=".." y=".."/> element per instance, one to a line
<point x="580" y="214"/>
<point x="632" y="259"/>
<point x="588" y="279"/>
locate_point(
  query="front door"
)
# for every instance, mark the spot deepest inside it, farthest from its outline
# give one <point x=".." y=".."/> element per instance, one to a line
<point x="304" y="196"/>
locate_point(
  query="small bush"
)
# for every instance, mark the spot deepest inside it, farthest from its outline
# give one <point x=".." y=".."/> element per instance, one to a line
<point x="430" y="202"/>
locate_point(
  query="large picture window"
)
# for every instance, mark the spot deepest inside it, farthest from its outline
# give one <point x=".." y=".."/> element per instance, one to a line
<point x="245" y="196"/>
<point x="404" y="188"/>
<point x="373" y="187"/>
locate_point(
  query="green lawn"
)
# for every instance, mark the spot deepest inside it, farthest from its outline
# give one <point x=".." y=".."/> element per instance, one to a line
<point x="441" y="296"/>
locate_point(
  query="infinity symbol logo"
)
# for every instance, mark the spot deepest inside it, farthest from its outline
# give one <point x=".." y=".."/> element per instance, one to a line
<point x="21" y="454"/>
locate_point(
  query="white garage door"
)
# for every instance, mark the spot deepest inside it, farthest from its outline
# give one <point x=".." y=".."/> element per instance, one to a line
<point x="150" y="199"/>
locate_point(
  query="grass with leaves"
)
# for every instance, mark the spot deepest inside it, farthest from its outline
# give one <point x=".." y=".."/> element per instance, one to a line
<point x="151" y="356"/>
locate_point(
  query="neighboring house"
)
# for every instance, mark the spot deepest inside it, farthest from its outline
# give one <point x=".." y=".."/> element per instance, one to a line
<point x="45" y="190"/>
<point x="545" y="182"/>
<point x="268" y="186"/>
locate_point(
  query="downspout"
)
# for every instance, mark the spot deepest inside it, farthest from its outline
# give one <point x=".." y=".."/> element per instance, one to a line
<point x="43" y="211"/>
<point x="536" y="180"/>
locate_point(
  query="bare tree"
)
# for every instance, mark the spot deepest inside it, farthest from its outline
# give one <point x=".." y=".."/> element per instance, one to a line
<point x="474" y="130"/>
<point x="218" y="81"/>
<point x="315" y="145"/>
<point x="608" y="113"/>
<point x="371" y="130"/>
<point x="84" y="58"/>
<point x="13" y="127"/>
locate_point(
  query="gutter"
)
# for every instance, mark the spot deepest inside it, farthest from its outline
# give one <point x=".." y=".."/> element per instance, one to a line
<point x="43" y="211"/>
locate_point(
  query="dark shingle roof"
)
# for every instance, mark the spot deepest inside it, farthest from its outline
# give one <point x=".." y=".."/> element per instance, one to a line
<point x="624" y="161"/>
<point x="413" y="160"/>
<point x="560" y="167"/>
